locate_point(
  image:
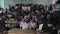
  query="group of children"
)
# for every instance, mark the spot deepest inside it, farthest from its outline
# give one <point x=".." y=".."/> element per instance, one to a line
<point x="32" y="18"/>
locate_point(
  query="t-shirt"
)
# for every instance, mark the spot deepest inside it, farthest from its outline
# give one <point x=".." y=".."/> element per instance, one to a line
<point x="24" y="25"/>
<point x="21" y="23"/>
<point x="40" y="26"/>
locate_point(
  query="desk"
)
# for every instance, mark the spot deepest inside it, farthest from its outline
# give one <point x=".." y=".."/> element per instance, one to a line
<point x="58" y="29"/>
<point x="3" y="32"/>
<point x="20" y="31"/>
<point x="11" y="22"/>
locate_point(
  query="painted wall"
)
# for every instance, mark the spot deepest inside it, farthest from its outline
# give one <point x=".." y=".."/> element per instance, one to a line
<point x="2" y="3"/>
<point x="53" y="1"/>
<point x="13" y="2"/>
<point x="7" y="2"/>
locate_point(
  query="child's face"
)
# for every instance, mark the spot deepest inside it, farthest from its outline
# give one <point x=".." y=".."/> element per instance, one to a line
<point x="42" y="16"/>
<point x="16" y="7"/>
<point x="47" y="9"/>
<point x="30" y="21"/>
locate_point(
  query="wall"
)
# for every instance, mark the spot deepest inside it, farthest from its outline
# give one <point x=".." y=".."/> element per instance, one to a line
<point x="7" y="2"/>
<point x="2" y="3"/>
<point x="13" y="2"/>
<point x="53" y="1"/>
<point x="44" y="2"/>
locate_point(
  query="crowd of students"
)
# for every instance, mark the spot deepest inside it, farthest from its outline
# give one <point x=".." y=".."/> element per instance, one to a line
<point x="30" y="18"/>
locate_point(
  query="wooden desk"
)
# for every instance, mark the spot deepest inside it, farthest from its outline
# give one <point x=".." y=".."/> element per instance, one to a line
<point x="3" y="32"/>
<point x="10" y="21"/>
<point x="20" y="31"/>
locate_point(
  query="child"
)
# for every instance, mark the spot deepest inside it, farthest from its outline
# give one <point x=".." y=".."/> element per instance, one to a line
<point x="39" y="29"/>
<point x="32" y="25"/>
<point x="24" y="25"/>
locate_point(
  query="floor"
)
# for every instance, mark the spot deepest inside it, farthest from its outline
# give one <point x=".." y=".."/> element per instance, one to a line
<point x="20" y="31"/>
